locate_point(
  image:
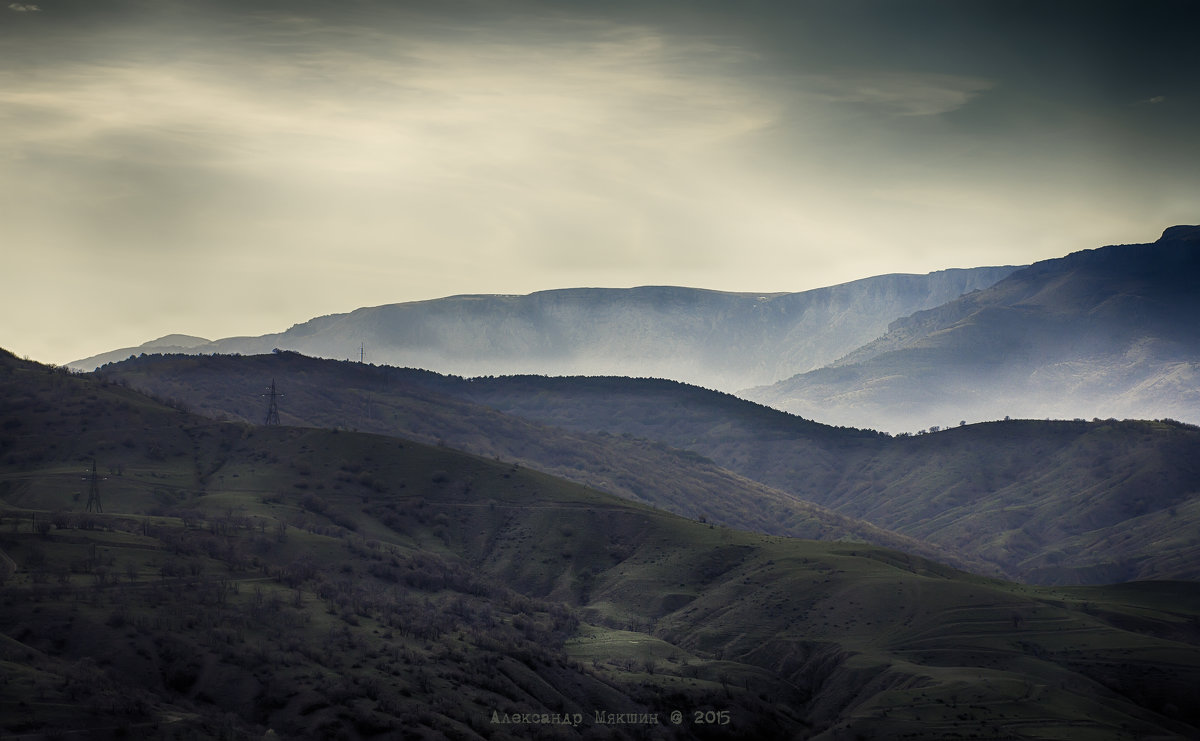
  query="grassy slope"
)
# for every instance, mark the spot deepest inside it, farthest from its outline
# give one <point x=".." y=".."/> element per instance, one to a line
<point x="1047" y="502"/>
<point x="410" y="403"/>
<point x="1051" y="502"/>
<point x="416" y="590"/>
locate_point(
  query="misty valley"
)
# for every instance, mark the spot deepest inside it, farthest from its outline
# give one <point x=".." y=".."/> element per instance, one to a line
<point x="958" y="505"/>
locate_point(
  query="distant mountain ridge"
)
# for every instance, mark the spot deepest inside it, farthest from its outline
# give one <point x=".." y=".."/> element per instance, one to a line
<point x="726" y="341"/>
<point x="1108" y="332"/>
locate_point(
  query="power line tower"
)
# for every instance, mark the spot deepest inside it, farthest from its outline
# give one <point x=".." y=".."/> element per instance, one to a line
<point x="272" y="407"/>
<point x="93" y="502"/>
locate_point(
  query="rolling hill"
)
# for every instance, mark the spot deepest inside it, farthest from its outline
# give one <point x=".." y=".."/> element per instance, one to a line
<point x="405" y="402"/>
<point x="1038" y="501"/>
<point x="1042" y="501"/>
<point x="306" y="582"/>
<point x="717" y="339"/>
<point x="1109" y="332"/>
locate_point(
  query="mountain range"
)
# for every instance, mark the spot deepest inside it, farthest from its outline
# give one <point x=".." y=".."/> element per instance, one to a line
<point x="726" y="341"/>
<point x="244" y="581"/>
<point x="1109" y="332"/>
<point x="1101" y="333"/>
<point x="553" y="546"/>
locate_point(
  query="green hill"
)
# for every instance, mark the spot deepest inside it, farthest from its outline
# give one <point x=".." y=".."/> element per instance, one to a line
<point x="420" y="405"/>
<point x="333" y="584"/>
<point x="1066" y="502"/>
<point x="1056" y="502"/>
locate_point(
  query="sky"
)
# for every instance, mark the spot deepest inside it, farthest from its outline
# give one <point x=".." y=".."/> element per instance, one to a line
<point x="221" y="167"/>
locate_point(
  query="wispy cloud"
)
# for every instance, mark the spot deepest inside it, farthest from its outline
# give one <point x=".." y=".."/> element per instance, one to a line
<point x="423" y="157"/>
<point x="615" y="119"/>
<point x="24" y="7"/>
<point x="900" y="93"/>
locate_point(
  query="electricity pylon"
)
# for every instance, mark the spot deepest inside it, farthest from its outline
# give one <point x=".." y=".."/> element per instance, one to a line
<point x="94" y="491"/>
<point x="272" y="407"/>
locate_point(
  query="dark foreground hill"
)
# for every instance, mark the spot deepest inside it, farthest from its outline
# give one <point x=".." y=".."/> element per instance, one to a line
<point x="1109" y="332"/>
<point x="1043" y="502"/>
<point x="338" y="584"/>
<point x="717" y="339"/>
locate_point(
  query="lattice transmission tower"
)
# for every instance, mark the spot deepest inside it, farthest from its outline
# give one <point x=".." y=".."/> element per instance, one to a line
<point x="272" y="406"/>
<point x="93" y="502"/>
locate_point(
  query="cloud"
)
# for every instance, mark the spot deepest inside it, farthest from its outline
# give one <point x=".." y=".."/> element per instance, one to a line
<point x="1155" y="99"/>
<point x="900" y="93"/>
<point x="425" y="157"/>
<point x="24" y="7"/>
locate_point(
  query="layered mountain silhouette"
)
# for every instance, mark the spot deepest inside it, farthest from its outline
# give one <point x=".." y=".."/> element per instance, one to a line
<point x="248" y="581"/>
<point x="1109" y="332"/>
<point x="715" y="339"/>
<point x="337" y="575"/>
<point x="1101" y="333"/>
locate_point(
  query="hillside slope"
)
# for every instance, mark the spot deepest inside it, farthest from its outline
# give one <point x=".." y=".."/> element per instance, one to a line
<point x="1047" y="502"/>
<point x="1109" y="332"/>
<point x="338" y="584"/>
<point x="712" y="338"/>
<point x="407" y="403"/>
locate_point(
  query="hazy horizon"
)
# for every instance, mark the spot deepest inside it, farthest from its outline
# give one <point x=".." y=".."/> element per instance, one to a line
<point x="218" y="168"/>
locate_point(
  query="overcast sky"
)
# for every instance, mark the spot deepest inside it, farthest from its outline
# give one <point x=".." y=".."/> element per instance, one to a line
<point x="226" y="168"/>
